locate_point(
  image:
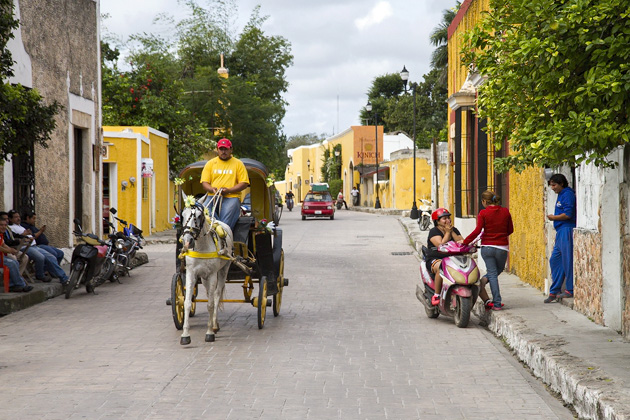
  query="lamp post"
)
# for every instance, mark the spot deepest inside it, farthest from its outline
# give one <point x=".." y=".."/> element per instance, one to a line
<point x="404" y="75"/>
<point x="368" y="108"/>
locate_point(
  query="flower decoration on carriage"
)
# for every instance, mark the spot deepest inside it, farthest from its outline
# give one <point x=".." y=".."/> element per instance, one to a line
<point x="264" y="226"/>
<point x="270" y="180"/>
<point x="179" y="181"/>
<point x="176" y="222"/>
<point x="189" y="201"/>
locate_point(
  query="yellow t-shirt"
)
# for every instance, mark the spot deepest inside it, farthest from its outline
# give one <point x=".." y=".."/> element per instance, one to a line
<point x="225" y="174"/>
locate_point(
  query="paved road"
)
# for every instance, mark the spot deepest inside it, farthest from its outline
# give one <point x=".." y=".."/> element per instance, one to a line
<point x="351" y="342"/>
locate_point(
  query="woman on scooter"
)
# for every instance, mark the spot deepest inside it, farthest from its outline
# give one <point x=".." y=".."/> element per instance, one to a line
<point x="496" y="223"/>
<point x="442" y="232"/>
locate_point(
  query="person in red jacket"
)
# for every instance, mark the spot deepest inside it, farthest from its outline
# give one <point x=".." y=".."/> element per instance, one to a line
<point x="496" y="223"/>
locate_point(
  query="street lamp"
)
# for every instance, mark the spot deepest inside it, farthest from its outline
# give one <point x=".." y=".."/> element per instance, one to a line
<point x="404" y="75"/>
<point x="368" y="108"/>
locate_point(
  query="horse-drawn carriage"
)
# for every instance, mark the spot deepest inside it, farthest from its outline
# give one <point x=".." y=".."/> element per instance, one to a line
<point x="256" y="243"/>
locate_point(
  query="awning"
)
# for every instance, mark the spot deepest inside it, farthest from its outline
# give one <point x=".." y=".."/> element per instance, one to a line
<point x="382" y="170"/>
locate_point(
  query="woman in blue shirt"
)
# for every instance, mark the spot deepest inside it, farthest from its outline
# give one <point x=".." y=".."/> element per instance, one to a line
<point x="561" y="260"/>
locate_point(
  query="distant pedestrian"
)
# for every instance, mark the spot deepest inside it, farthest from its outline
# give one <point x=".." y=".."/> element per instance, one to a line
<point x="561" y="260"/>
<point x="494" y="223"/>
<point x="355" y="196"/>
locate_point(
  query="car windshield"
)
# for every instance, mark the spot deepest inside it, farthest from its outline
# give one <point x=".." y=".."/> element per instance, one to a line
<point x="318" y="196"/>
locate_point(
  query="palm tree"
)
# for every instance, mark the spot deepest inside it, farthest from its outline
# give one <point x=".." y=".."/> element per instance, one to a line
<point x="439" y="38"/>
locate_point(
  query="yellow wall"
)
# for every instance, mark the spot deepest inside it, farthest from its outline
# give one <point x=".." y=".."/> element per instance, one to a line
<point x="398" y="192"/>
<point x="526" y="190"/>
<point x="127" y="150"/>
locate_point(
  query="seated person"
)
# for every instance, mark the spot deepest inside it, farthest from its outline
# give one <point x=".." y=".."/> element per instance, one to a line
<point x="16" y="281"/>
<point x="30" y="218"/>
<point x="442" y="232"/>
<point x="44" y="260"/>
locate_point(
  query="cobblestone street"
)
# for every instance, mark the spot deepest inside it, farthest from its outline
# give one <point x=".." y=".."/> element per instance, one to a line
<point x="351" y="342"/>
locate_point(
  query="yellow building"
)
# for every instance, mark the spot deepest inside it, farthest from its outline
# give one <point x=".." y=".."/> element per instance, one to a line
<point x="357" y="152"/>
<point x="136" y="177"/>
<point x="473" y="154"/>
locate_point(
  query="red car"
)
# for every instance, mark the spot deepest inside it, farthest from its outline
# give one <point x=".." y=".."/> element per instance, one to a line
<point x="318" y="204"/>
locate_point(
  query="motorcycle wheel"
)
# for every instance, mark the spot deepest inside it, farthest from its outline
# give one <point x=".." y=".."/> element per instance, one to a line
<point x="107" y="270"/>
<point x="424" y="223"/>
<point x="75" y="276"/>
<point x="462" y="311"/>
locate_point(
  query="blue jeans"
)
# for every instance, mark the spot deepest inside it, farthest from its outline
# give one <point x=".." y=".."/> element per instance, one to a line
<point x="14" y="272"/>
<point x="228" y="212"/>
<point x="495" y="259"/>
<point x="561" y="262"/>
<point x="45" y="261"/>
<point x="56" y="252"/>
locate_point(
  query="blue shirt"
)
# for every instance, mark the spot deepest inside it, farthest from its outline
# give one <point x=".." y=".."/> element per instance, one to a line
<point x="565" y="204"/>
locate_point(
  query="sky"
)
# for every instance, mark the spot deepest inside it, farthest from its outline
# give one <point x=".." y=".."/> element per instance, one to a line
<point x="339" y="48"/>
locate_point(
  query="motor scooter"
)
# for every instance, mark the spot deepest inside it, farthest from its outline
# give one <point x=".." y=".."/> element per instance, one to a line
<point x="425" y="214"/>
<point x="289" y="203"/>
<point x="460" y="276"/>
<point x="86" y="262"/>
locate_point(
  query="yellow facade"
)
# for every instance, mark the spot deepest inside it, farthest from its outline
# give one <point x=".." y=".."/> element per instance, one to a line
<point x="140" y="194"/>
<point x="525" y="196"/>
<point x="358" y="147"/>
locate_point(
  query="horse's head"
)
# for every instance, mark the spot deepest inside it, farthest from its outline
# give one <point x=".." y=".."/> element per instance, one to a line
<point x="193" y="220"/>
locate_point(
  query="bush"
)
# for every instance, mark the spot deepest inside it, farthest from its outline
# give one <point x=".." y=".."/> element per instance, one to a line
<point x="335" y="186"/>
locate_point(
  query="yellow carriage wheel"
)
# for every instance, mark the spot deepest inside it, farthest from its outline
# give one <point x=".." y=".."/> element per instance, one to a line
<point x="177" y="300"/>
<point x="248" y="288"/>
<point x="277" y="299"/>
<point x="193" y="306"/>
<point x="262" y="302"/>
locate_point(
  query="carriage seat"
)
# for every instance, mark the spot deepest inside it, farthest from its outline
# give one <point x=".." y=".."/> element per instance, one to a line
<point x="241" y="230"/>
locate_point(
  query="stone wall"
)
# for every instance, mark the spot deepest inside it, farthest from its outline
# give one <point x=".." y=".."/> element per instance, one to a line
<point x="587" y="274"/>
<point x="61" y="39"/>
<point x="625" y="260"/>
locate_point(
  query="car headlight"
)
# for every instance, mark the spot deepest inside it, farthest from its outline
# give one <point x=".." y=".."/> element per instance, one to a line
<point x="305" y="207"/>
<point x="329" y="207"/>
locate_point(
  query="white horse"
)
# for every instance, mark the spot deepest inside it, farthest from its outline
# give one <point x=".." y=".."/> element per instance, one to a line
<point x="200" y="238"/>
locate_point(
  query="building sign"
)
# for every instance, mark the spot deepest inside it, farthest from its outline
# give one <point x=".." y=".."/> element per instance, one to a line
<point x="147" y="168"/>
<point x="365" y="145"/>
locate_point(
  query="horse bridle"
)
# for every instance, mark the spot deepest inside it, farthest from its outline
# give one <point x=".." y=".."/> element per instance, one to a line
<point x="194" y="231"/>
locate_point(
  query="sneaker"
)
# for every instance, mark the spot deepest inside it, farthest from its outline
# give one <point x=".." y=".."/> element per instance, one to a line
<point x="435" y="300"/>
<point x="551" y="298"/>
<point x="565" y="294"/>
<point x="497" y="308"/>
<point x="488" y="304"/>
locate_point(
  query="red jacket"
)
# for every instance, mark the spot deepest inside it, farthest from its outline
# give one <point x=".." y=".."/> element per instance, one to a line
<point x="496" y="223"/>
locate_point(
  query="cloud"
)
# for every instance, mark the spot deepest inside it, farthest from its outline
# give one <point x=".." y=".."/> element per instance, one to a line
<point x="380" y="12"/>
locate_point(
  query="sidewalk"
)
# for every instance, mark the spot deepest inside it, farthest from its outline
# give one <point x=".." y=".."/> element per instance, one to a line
<point x="13" y="302"/>
<point x="586" y="364"/>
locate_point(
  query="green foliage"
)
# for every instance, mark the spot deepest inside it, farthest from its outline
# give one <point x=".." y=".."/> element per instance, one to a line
<point x="305" y="140"/>
<point x="24" y="118"/>
<point x="558" y="84"/>
<point x="439" y="38"/>
<point x="331" y="164"/>
<point x="187" y="99"/>
<point x="384" y="89"/>
<point x="335" y="186"/>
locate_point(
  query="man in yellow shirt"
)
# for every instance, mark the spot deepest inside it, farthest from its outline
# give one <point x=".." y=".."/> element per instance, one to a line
<point x="228" y="174"/>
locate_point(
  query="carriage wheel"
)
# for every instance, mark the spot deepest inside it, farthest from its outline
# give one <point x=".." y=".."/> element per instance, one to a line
<point x="262" y="302"/>
<point x="277" y="299"/>
<point x="193" y="308"/>
<point x="177" y="300"/>
<point x="248" y="288"/>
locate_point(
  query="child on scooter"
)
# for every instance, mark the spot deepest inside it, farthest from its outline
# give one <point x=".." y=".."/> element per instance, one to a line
<point x="496" y="223"/>
<point x="442" y="232"/>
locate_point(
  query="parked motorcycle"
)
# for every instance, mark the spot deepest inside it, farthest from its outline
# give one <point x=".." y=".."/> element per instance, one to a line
<point x="129" y="241"/>
<point x="87" y="263"/>
<point x="425" y="214"/>
<point x="340" y="201"/>
<point x="459" y="283"/>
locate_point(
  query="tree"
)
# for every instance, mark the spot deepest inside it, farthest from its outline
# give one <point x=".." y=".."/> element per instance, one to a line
<point x="25" y="120"/>
<point x="384" y="89"/>
<point x="439" y="38"/>
<point x="431" y="111"/>
<point x="305" y="140"/>
<point x="558" y="85"/>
